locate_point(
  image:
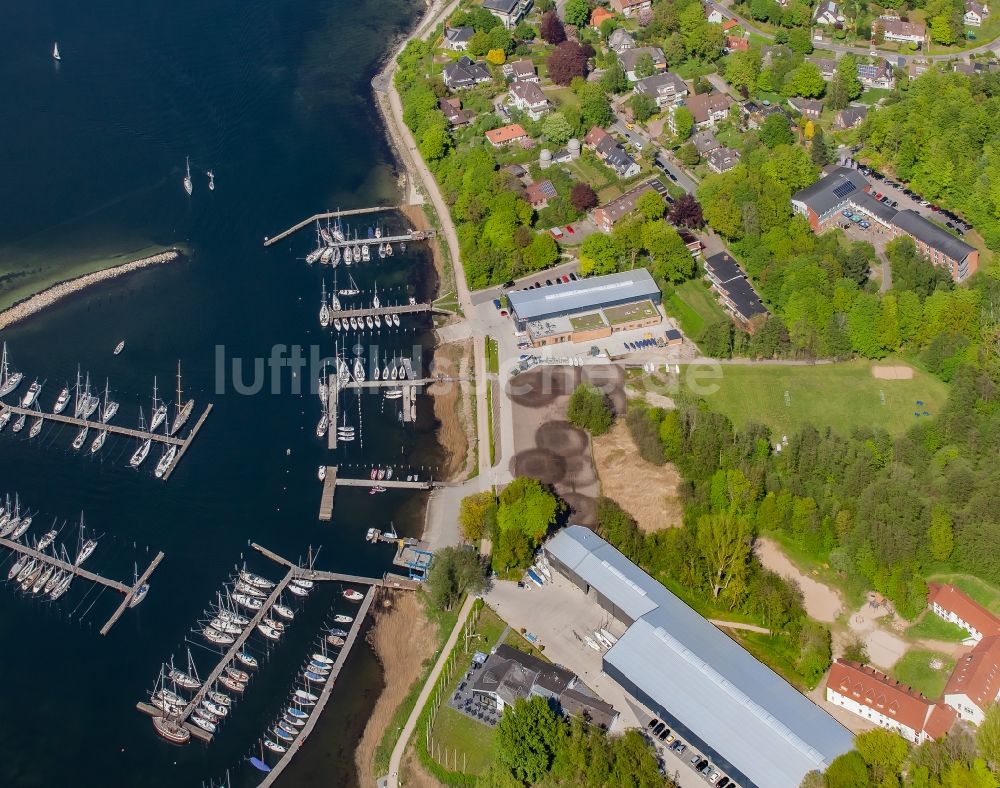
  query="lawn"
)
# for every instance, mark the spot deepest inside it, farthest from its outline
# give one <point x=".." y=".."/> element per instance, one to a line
<point x="630" y="312"/>
<point x="914" y="668"/>
<point x="462" y="744"/>
<point x="933" y="627"/>
<point x="872" y="95"/>
<point x="842" y="396"/>
<point x="492" y="361"/>
<point x="694" y="306"/>
<point x="985" y="594"/>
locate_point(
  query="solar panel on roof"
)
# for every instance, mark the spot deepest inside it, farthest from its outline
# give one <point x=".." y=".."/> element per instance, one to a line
<point x="844" y="189"/>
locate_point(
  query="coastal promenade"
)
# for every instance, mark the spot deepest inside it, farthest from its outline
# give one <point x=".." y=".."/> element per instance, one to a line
<point x="49" y="296"/>
<point x="392" y="109"/>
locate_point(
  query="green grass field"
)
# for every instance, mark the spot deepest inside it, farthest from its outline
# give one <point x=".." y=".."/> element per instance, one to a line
<point x="914" y="669"/>
<point x="932" y="627"/>
<point x="984" y="593"/>
<point x="842" y="396"/>
<point x="629" y="312"/>
<point x="694" y="306"/>
<point x="492" y="357"/>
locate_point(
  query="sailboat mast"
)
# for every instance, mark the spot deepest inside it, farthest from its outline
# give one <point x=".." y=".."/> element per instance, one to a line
<point x="178" y="386"/>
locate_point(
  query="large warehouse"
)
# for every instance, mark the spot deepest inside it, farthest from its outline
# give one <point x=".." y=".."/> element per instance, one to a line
<point x="713" y="693"/>
<point x="586" y="309"/>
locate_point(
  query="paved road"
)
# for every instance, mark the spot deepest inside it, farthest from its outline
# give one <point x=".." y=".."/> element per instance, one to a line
<point x="842" y="49"/>
<point x="397" y="751"/>
<point x="400" y="131"/>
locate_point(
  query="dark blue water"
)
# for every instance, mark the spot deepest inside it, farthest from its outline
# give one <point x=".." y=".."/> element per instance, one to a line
<point x="274" y="97"/>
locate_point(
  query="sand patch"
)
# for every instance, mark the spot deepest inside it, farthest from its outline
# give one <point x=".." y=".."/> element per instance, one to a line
<point x="452" y="406"/>
<point x="647" y="492"/>
<point x="413" y="774"/>
<point x="403" y="640"/>
<point x="821" y="602"/>
<point x="897" y="372"/>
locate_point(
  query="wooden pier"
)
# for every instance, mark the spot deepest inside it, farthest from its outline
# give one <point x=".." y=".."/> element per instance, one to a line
<point x="187" y="442"/>
<point x="400" y="309"/>
<point x="317" y="710"/>
<point x="415" y="235"/>
<point x="388" y="483"/>
<point x="329" y="487"/>
<point x="388" y="384"/>
<point x="332" y="404"/>
<point x="93" y="577"/>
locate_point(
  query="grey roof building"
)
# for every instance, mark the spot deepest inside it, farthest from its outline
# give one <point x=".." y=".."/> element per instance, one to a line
<point x="730" y="706"/>
<point x="629" y="60"/>
<point x="820" y="201"/>
<point x="666" y="88"/>
<point x="458" y="38"/>
<point x="465" y="73"/>
<point x="583" y="295"/>
<point x="940" y="246"/>
<point x="620" y="40"/>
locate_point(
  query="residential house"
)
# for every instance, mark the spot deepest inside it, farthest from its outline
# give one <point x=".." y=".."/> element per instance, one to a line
<point x="876" y="73"/>
<point x="964" y="68"/>
<point x="606" y="216"/>
<point x="937" y="244"/>
<point x="620" y="40"/>
<point x="563" y="155"/>
<point x="595" y="137"/>
<point x="895" y="29"/>
<point x="828" y="13"/>
<point x="808" y="108"/>
<point x="609" y="151"/>
<point x="917" y="68"/>
<point x="599" y="16"/>
<point x="521" y="71"/>
<point x="707" y="108"/>
<point x="737" y="43"/>
<point x="975" y="682"/>
<point x="529" y="98"/>
<point x="951" y="604"/>
<point x="629" y="60"/>
<point x="886" y="702"/>
<point x="630" y="8"/>
<point x="827" y="66"/>
<point x="667" y="88"/>
<point x="821" y="202"/>
<point x="465" y="73"/>
<point x="539" y="193"/>
<point x="705" y="142"/>
<point x="850" y="117"/>
<point x="510" y="12"/>
<point x="723" y="159"/>
<point x="714" y="15"/>
<point x="505" y="135"/>
<point x="452" y="109"/>
<point x="729" y="24"/>
<point x="457" y="38"/>
<point x="509" y="675"/>
<point x="975" y="14"/>
<point x="736" y="294"/>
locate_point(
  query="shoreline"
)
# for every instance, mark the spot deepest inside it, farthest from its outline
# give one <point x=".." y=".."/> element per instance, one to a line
<point x="40" y="301"/>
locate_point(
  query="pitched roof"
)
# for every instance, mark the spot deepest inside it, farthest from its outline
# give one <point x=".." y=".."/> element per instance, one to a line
<point x="664" y="83"/>
<point x="620" y="39"/>
<point x="729" y="273"/>
<point x="522" y="68"/>
<point x="804" y="105"/>
<point x="723" y="159"/>
<point x="898" y="27"/>
<point x="879" y="692"/>
<point x="594" y="136"/>
<point x="600" y="15"/>
<point x="506" y="134"/>
<point x="702" y="105"/>
<point x="971" y="5"/>
<point x="729" y="24"/>
<point x="529" y="92"/>
<point x="540" y="191"/>
<point x="452" y="109"/>
<point x="969" y="610"/>
<point x="629" y="59"/>
<point x="826" y="65"/>
<point x="929" y="233"/>
<point x="501" y="6"/>
<point x="851" y="115"/>
<point x="977" y="674"/>
<point x="617" y="208"/>
<point x="878" y="209"/>
<point x="832" y="190"/>
<point x="459" y="35"/>
<point x="705" y="142"/>
<point x="466" y="70"/>
<point x="584" y="294"/>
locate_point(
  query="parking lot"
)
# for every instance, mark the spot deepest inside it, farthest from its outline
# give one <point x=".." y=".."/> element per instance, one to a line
<point x="563" y="618"/>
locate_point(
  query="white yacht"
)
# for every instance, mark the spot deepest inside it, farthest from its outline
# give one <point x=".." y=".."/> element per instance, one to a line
<point x="395" y="319"/>
<point x="140" y="454"/>
<point x="323" y="425"/>
<point x="88" y="547"/>
<point x="183" y="410"/>
<point x="31" y="394"/>
<point x="211" y="180"/>
<point x="119" y="348"/>
<point x="324" y="309"/>
<point x="8" y="380"/>
<point x="62" y="401"/>
<point x="98" y="441"/>
<point x="375" y="302"/>
<point x="159" y="411"/>
<point x="166" y="461"/>
<point x="188" y="184"/>
<point x="36" y="427"/>
<point x="110" y="407"/>
<point x="359" y="370"/>
<point x="81" y="437"/>
<point x="55" y="52"/>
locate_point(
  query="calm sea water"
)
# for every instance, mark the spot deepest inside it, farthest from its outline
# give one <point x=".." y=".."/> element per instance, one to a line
<point x="274" y="97"/>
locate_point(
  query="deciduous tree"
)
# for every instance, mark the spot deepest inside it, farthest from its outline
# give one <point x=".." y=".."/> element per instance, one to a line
<point x="528" y="737"/>
<point x="650" y="205"/>
<point x="589" y="409"/>
<point x="454" y="572"/>
<point x="686" y="212"/>
<point x="683" y="123"/>
<point x="551" y="28"/>
<point x="598" y="255"/>
<point x="577" y="12"/>
<point x="476" y="514"/>
<point x="556" y="128"/>
<point x="724" y="541"/>
<point x="583" y="196"/>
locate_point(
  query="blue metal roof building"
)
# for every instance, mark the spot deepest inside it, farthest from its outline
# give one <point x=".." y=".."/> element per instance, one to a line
<point x="583" y="295"/>
<point x="717" y="696"/>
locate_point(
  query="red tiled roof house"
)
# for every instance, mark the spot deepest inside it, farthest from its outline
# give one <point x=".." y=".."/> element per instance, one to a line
<point x="506" y="135"/>
<point x="952" y="605"/>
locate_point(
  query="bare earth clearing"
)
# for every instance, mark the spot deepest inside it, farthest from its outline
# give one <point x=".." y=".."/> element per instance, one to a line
<point x="898" y="372"/>
<point x="403" y="640"/>
<point x="821" y="602"/>
<point x="647" y="492"/>
<point x="453" y="410"/>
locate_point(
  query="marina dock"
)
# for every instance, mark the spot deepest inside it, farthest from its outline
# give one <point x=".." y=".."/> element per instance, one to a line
<point x="401" y="309"/>
<point x="127" y="590"/>
<point x="414" y="235"/>
<point x="329" y="487"/>
<point x="128" y="432"/>
<point x="388" y="483"/>
<point x="331" y="409"/>
<point x="386" y="384"/>
<point x="338" y="665"/>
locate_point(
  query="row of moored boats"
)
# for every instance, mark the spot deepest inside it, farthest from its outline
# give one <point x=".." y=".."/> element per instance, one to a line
<point x="334" y="245"/>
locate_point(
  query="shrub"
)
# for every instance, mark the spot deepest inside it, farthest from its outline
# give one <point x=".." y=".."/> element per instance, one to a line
<point x="590" y="410"/>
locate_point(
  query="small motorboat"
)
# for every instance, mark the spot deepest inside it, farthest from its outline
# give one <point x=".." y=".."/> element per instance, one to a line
<point x="293" y="721"/>
<point x="315" y="678"/>
<point x="335" y="640"/>
<point x="315" y="667"/>
<point x="340" y="618"/>
<point x="273" y="746"/>
<point x="378" y="488"/>
<point x="219" y="698"/>
<point x="289" y="729"/>
<point x="352" y="595"/>
<point x="339" y="632"/>
<point x="284" y="612"/>
<point x="119" y="348"/>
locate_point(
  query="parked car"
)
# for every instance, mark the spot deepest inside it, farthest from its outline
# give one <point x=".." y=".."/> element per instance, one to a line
<point x="723" y="783"/>
<point x="548" y="283"/>
<point x="509" y="283"/>
<point x="846" y="213"/>
<point x="894" y="204"/>
<point x="564" y="278"/>
<point x="662" y="735"/>
<point x="503" y="313"/>
<point x="497" y="304"/>
<point x="864" y="225"/>
<point x="678" y="747"/>
<point x="694" y="760"/>
<point x="653" y="722"/>
<point x="573" y="276"/>
<point x="569" y="229"/>
<point x="714" y="777"/>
